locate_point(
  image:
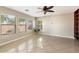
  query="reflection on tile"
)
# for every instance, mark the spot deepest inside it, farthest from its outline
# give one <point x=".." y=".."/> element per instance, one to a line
<point x="30" y="45"/>
<point x="22" y="47"/>
<point x="12" y="50"/>
<point x="41" y="43"/>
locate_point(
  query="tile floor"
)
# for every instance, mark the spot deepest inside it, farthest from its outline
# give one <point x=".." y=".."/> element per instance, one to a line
<point x="42" y="44"/>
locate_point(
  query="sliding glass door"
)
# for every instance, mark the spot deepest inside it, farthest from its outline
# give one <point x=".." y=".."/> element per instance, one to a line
<point x="8" y="24"/>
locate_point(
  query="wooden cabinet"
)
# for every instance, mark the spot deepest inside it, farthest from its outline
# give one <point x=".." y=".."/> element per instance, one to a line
<point x="76" y="24"/>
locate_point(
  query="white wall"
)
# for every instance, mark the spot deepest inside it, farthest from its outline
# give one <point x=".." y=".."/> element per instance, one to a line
<point x="59" y="25"/>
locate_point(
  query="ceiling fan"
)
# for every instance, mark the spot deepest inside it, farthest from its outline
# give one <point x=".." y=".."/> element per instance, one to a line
<point x="46" y="9"/>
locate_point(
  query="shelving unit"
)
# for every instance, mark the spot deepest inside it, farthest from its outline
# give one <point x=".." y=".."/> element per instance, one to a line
<point x="76" y="24"/>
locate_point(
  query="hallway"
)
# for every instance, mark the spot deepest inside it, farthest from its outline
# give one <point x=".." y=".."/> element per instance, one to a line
<point x="39" y="43"/>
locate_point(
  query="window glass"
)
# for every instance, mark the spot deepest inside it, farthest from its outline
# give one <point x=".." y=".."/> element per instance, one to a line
<point x="40" y="24"/>
<point x="0" y="19"/>
<point x="0" y="24"/>
<point x="29" y="24"/>
<point x="8" y="24"/>
<point x="22" y="20"/>
<point x="22" y="25"/>
<point x="8" y="19"/>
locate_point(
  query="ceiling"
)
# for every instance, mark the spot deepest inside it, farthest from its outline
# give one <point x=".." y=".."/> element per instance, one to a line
<point x="35" y="11"/>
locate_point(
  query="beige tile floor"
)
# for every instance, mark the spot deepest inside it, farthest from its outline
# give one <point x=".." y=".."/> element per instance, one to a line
<point x="42" y="44"/>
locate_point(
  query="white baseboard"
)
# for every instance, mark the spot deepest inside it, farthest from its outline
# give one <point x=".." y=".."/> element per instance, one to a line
<point x="57" y="35"/>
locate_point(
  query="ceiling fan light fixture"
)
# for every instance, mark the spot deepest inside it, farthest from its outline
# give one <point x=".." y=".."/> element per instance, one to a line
<point x="26" y="10"/>
<point x="46" y="9"/>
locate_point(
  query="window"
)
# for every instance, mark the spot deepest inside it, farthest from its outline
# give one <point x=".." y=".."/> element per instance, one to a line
<point x="40" y="24"/>
<point x="29" y="24"/>
<point x="22" y="25"/>
<point x="8" y="24"/>
<point x="0" y="25"/>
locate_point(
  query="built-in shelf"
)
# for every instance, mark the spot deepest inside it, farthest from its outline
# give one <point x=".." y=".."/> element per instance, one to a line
<point x="76" y="24"/>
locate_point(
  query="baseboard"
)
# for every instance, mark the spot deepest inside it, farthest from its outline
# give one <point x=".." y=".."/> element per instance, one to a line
<point x="57" y="35"/>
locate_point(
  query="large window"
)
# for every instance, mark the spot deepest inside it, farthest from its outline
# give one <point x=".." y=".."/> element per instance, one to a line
<point x="8" y="24"/>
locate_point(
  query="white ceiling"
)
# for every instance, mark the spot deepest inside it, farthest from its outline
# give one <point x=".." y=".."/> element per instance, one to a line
<point x="35" y="12"/>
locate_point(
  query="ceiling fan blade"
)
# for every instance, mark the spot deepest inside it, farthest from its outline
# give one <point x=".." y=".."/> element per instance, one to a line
<point x="50" y="7"/>
<point x="50" y="11"/>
